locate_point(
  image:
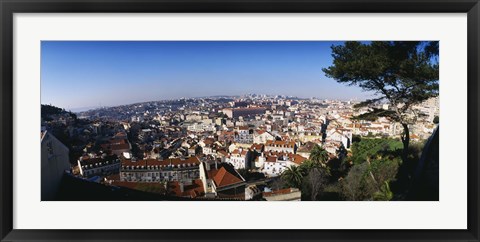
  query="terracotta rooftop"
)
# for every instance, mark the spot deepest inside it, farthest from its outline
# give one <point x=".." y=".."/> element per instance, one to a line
<point x="273" y="156"/>
<point x="209" y="141"/>
<point x="116" y="144"/>
<point x="307" y="147"/>
<point x="256" y="147"/>
<point x="193" y="190"/>
<point x="222" y="177"/>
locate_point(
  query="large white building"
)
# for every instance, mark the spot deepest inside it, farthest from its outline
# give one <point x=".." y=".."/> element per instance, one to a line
<point x="152" y="170"/>
<point x="99" y="166"/>
<point x="201" y="127"/>
<point x="281" y="146"/>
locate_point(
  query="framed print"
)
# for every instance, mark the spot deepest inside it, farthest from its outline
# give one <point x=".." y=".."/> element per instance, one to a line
<point x="236" y="120"/>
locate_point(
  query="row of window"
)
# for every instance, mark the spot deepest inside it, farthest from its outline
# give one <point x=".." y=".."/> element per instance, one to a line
<point x="100" y="171"/>
<point x="158" y="174"/>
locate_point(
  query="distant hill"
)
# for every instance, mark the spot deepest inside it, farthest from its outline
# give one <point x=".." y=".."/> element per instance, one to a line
<point x="50" y="110"/>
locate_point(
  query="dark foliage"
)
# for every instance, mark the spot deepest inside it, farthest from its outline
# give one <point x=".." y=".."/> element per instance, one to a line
<point x="403" y="73"/>
<point x="49" y="110"/>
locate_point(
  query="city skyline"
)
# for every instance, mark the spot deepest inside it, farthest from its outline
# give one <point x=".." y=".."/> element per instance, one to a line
<point x="114" y="73"/>
<point x="236" y="121"/>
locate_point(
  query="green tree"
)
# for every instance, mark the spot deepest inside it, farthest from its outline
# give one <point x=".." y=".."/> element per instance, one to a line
<point x="353" y="187"/>
<point x="293" y="176"/>
<point x="319" y="155"/>
<point x="307" y="166"/>
<point x="403" y="73"/>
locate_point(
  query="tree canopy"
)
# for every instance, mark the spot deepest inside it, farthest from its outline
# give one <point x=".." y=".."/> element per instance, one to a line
<point x="402" y="72"/>
<point x="319" y="155"/>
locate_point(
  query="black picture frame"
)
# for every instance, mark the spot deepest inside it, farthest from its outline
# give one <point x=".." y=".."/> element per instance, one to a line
<point x="9" y="7"/>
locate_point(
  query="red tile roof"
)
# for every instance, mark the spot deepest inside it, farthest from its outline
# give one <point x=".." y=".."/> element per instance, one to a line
<point x="209" y="141"/>
<point x="273" y="156"/>
<point x="116" y="144"/>
<point x="271" y="159"/>
<point x="307" y="147"/>
<point x="223" y="178"/>
<point x="193" y="190"/>
<point x="297" y="159"/>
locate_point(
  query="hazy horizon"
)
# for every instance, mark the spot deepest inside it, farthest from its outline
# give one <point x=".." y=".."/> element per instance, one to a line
<point x="91" y="74"/>
<point x="82" y="109"/>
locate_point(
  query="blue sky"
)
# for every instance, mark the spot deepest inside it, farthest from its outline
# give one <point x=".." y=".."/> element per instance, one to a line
<point x="79" y="74"/>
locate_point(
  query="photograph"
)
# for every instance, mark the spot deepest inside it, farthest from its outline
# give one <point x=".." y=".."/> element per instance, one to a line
<point x="239" y="120"/>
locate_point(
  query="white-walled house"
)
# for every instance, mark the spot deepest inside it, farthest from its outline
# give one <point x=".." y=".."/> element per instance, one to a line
<point x="275" y="163"/>
<point x="243" y="135"/>
<point x="261" y="137"/>
<point x="239" y="158"/>
<point x="201" y="127"/>
<point x="345" y="137"/>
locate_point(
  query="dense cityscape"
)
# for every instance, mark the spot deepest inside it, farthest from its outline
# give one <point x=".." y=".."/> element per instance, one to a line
<point x="342" y="121"/>
<point x="223" y="147"/>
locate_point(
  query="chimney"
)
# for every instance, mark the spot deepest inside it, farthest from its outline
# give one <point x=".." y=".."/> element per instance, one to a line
<point x="216" y="164"/>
